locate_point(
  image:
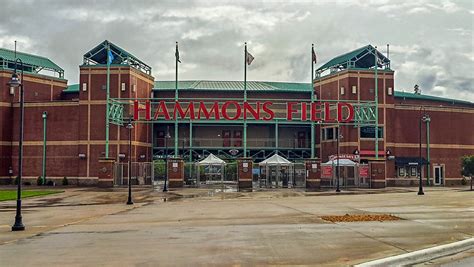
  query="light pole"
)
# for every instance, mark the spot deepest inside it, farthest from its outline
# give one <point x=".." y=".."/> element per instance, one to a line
<point x="45" y="117"/>
<point x="338" y="171"/>
<point x="129" y="127"/>
<point x="165" y="187"/>
<point x="15" y="82"/>
<point x="420" y="186"/>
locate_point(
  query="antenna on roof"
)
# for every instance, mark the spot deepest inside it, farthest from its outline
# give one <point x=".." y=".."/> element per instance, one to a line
<point x="15" y="49"/>
<point x="388" y="51"/>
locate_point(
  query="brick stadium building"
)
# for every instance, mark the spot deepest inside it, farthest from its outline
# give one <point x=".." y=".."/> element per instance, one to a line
<point x="76" y="121"/>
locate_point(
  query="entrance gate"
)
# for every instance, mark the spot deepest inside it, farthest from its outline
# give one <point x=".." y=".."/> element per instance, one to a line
<point x="142" y="173"/>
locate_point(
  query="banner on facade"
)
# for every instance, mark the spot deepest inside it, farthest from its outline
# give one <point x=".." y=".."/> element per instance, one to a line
<point x="352" y="157"/>
<point x="326" y="171"/>
<point x="363" y="171"/>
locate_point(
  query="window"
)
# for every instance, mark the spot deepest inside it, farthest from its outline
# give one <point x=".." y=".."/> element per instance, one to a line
<point x="354" y="89"/>
<point x="389" y="91"/>
<point x="401" y="172"/>
<point x="369" y="132"/>
<point x="342" y="90"/>
<point x="123" y="87"/>
<point x="84" y="87"/>
<point x="413" y="171"/>
<point x="329" y="133"/>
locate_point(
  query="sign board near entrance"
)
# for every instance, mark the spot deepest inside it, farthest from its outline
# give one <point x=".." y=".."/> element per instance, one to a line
<point x="341" y="112"/>
<point x="345" y="156"/>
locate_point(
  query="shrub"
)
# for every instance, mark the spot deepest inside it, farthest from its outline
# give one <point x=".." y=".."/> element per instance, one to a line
<point x="39" y="181"/>
<point x="464" y="181"/>
<point x="65" y="181"/>
<point x="27" y="183"/>
<point x="50" y="183"/>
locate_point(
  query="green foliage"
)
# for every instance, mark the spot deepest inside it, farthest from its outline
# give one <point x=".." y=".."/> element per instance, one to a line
<point x="65" y="181"/>
<point x="39" y="181"/>
<point x="11" y="194"/>
<point x="467" y="163"/>
<point x="159" y="168"/>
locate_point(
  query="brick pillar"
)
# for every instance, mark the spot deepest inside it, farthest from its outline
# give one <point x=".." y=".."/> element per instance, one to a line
<point x="175" y="172"/>
<point x="244" y="172"/>
<point x="313" y="174"/>
<point x="377" y="174"/>
<point x="106" y="172"/>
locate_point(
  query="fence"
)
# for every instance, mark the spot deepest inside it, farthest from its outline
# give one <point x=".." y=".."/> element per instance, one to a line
<point x="142" y="173"/>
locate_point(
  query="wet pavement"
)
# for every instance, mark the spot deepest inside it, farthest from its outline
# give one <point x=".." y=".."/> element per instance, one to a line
<point x="208" y="227"/>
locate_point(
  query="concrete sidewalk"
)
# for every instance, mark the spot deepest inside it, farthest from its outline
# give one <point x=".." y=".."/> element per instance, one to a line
<point x="264" y="228"/>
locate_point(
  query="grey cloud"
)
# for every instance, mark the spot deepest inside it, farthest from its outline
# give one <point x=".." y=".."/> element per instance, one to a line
<point x="430" y="48"/>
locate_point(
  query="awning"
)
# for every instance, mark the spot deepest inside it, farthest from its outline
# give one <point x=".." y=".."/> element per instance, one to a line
<point x="342" y="162"/>
<point x="276" y="160"/>
<point x="212" y="160"/>
<point x="402" y="161"/>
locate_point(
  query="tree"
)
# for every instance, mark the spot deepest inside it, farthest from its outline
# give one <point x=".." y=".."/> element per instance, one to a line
<point x="468" y="167"/>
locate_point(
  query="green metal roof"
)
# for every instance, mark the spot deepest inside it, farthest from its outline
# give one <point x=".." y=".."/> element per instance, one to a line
<point x="406" y="95"/>
<point x="361" y="58"/>
<point x="72" y="88"/>
<point x="31" y="63"/>
<point x="98" y="55"/>
<point x="233" y="86"/>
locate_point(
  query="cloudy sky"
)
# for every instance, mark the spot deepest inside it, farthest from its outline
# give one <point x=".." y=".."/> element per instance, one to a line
<point x="431" y="41"/>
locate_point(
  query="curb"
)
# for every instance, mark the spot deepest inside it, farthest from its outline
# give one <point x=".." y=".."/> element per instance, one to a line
<point x="423" y="255"/>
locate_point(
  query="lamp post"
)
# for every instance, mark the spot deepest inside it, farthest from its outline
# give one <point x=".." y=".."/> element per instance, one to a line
<point x="338" y="171"/>
<point x="426" y="119"/>
<point x="129" y="127"/>
<point x="43" y="173"/>
<point x="420" y="186"/>
<point x="165" y="187"/>
<point x="15" y="82"/>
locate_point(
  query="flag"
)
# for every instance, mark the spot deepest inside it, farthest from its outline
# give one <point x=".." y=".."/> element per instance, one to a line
<point x="176" y="54"/>
<point x="314" y="55"/>
<point x="249" y="58"/>
<point x="110" y="57"/>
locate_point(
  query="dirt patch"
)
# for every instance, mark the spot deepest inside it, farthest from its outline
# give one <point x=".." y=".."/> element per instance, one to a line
<point x="361" y="218"/>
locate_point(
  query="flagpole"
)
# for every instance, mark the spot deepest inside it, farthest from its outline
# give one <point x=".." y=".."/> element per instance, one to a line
<point x="245" y="100"/>
<point x="312" y="101"/>
<point x="175" y="100"/>
<point x="107" y="103"/>
<point x="376" y="107"/>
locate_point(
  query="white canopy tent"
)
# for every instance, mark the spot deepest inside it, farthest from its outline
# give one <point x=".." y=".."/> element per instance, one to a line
<point x="342" y="162"/>
<point x="278" y="171"/>
<point x="215" y="166"/>
<point x="349" y="175"/>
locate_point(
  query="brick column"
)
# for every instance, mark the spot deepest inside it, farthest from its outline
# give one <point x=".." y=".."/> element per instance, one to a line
<point x="175" y="173"/>
<point x="377" y="174"/>
<point x="313" y="174"/>
<point x="244" y="172"/>
<point x="106" y="172"/>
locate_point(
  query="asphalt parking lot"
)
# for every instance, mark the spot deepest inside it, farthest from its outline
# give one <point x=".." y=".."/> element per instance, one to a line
<point x="84" y="227"/>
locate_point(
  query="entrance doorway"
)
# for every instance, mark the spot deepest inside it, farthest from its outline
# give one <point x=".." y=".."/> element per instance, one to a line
<point x="438" y="175"/>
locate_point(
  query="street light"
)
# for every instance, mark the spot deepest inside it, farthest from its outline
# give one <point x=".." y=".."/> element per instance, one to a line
<point x="129" y="127"/>
<point x="338" y="170"/>
<point x="165" y="187"/>
<point x="15" y="82"/>
<point x="420" y="186"/>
